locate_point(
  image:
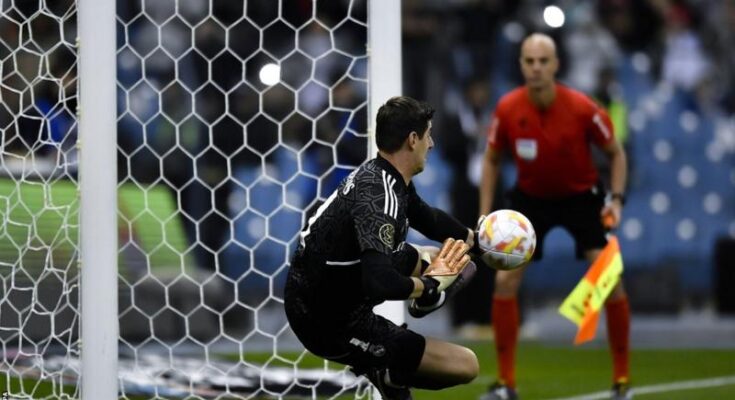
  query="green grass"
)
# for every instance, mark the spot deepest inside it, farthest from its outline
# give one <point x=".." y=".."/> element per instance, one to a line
<point x="151" y="213"/>
<point x="40" y="227"/>
<point x="40" y="223"/>
<point x="42" y="389"/>
<point x="561" y="371"/>
<point x="544" y="372"/>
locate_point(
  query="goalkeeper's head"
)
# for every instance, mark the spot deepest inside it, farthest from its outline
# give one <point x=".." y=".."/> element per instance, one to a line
<point x="403" y="130"/>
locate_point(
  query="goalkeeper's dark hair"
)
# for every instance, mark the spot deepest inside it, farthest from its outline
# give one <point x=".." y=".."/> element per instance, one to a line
<point x="397" y="118"/>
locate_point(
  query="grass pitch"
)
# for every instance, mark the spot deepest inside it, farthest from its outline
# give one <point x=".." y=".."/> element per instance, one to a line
<point x="548" y="372"/>
<point x="544" y="372"/>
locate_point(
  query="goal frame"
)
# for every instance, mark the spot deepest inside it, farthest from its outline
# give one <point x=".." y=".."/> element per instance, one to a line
<point x="97" y="143"/>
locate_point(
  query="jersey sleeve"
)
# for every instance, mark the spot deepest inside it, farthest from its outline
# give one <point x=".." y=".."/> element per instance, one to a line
<point x="374" y="223"/>
<point x="600" y="125"/>
<point x="432" y="222"/>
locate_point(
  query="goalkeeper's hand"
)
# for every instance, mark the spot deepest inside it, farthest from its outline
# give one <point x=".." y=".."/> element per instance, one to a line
<point x="449" y="263"/>
<point x="427" y="253"/>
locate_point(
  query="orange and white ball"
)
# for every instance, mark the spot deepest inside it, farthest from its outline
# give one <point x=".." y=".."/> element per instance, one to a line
<point x="508" y="239"/>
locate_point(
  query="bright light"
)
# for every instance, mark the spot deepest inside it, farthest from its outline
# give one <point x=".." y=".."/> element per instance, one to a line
<point x="554" y="16"/>
<point x="270" y="74"/>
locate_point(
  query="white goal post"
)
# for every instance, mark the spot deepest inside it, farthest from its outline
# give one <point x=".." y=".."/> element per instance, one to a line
<point x="98" y="198"/>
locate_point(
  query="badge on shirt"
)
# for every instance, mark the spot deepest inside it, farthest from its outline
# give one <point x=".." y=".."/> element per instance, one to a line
<point x="386" y="233"/>
<point x="526" y="149"/>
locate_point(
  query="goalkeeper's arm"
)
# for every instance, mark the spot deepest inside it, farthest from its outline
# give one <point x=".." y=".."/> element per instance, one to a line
<point x="436" y="224"/>
<point x="382" y="280"/>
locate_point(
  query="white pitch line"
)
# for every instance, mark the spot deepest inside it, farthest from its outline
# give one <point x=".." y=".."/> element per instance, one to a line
<point x="661" y="388"/>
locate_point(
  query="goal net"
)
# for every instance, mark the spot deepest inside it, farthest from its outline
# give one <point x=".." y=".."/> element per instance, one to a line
<point x="39" y="207"/>
<point x="234" y="119"/>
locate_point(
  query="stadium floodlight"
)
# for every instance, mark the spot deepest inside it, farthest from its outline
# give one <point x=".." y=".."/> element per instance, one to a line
<point x="270" y="74"/>
<point x="554" y="16"/>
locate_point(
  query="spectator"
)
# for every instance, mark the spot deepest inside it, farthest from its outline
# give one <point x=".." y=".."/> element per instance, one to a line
<point x="461" y="139"/>
<point x="590" y="48"/>
<point x="685" y="64"/>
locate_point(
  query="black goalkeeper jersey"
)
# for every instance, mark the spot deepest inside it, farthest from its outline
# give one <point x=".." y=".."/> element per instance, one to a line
<point x="370" y="210"/>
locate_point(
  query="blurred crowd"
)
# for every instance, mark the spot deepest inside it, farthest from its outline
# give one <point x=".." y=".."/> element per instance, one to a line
<point x="38" y="81"/>
<point x="241" y="155"/>
<point x="201" y="117"/>
<point x="687" y="45"/>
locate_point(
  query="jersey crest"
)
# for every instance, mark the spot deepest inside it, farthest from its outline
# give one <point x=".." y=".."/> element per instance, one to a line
<point x="386" y="234"/>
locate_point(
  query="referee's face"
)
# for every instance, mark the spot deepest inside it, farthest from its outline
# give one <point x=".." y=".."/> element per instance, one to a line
<point x="539" y="63"/>
<point x="423" y="145"/>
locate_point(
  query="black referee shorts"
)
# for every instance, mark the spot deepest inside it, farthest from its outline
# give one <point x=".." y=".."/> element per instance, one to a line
<point x="579" y="214"/>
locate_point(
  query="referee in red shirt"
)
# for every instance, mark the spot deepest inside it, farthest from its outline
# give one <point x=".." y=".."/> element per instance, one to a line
<point x="548" y="128"/>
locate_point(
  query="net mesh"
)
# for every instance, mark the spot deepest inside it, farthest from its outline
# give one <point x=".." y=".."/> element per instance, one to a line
<point x="234" y="120"/>
<point x="38" y="196"/>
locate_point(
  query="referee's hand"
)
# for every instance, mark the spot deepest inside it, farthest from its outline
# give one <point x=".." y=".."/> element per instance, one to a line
<point x="610" y="215"/>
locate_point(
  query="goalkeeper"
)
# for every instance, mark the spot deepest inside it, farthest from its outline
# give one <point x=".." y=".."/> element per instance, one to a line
<point x="352" y="256"/>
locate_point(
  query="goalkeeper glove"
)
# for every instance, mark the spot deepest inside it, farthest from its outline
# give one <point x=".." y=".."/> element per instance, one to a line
<point x="420" y="307"/>
<point x="443" y="271"/>
<point x="431" y="293"/>
<point x="448" y="264"/>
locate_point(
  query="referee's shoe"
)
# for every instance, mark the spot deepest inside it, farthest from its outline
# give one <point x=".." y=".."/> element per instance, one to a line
<point x="499" y="391"/>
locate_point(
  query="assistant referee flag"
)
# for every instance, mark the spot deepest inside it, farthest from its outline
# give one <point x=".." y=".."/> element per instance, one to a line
<point x="583" y="304"/>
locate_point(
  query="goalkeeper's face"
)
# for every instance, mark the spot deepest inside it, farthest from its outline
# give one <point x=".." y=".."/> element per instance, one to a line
<point x="423" y="145"/>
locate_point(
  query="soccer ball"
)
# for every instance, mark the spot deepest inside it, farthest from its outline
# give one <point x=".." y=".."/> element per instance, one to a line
<point x="508" y="239"/>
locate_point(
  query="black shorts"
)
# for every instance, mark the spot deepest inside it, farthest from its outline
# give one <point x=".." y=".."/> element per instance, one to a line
<point x="368" y="342"/>
<point x="579" y="214"/>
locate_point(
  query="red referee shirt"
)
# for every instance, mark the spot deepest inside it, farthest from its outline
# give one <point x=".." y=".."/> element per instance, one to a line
<point x="551" y="148"/>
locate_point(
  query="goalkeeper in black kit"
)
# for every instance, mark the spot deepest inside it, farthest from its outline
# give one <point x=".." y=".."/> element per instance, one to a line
<point x="353" y="256"/>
